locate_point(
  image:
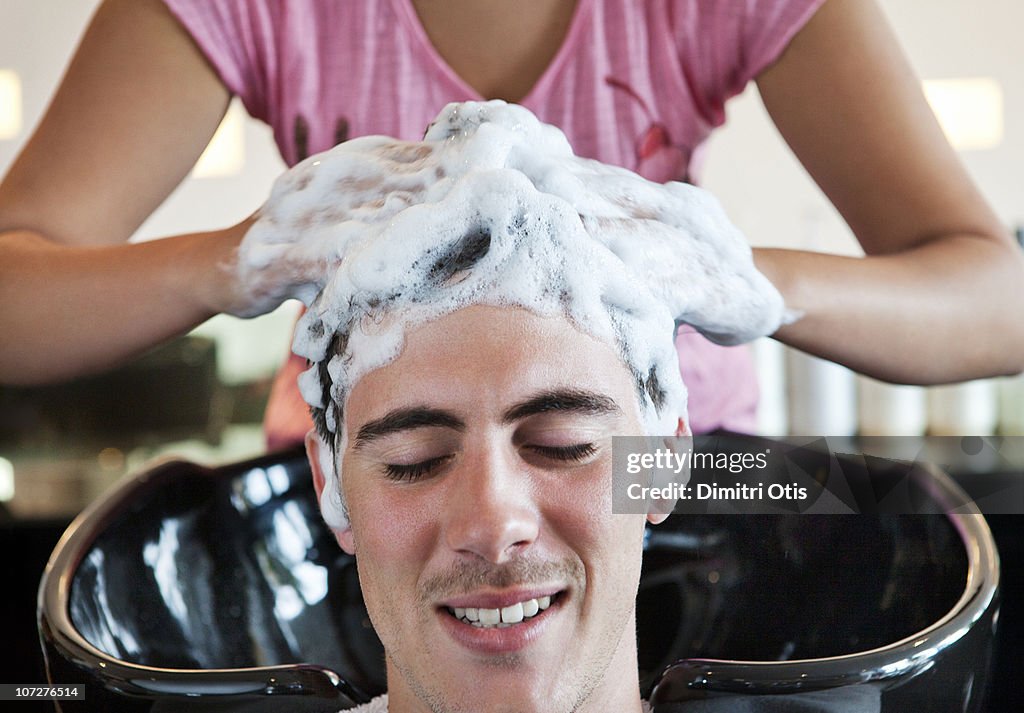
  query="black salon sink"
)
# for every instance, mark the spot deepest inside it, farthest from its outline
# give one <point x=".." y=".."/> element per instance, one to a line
<point x="189" y="588"/>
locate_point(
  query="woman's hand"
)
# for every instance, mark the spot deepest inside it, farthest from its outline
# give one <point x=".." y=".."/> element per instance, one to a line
<point x="258" y="277"/>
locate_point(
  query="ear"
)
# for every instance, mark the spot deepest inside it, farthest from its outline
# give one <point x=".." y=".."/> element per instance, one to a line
<point x="320" y="459"/>
<point x="313" y="453"/>
<point x="656" y="518"/>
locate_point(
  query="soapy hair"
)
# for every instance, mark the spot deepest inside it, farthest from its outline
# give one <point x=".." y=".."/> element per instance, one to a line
<point x="493" y="208"/>
<point x="462" y="257"/>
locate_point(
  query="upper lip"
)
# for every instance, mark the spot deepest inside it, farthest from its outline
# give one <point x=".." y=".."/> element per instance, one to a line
<point x="499" y="600"/>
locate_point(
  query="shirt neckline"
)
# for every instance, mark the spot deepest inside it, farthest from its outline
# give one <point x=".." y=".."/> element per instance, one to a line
<point x="408" y="17"/>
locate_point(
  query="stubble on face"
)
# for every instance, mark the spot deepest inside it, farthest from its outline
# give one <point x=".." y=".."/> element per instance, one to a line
<point x="467" y="576"/>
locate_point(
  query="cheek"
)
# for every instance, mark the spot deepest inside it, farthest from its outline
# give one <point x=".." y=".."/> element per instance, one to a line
<point x="581" y="513"/>
<point x="590" y="499"/>
<point x="609" y="545"/>
<point x="388" y="557"/>
<point x="389" y="533"/>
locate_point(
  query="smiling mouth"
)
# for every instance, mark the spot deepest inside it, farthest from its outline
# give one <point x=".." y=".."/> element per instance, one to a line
<point x="504" y="617"/>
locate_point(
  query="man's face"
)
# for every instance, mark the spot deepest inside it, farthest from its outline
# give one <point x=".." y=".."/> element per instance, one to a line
<point x="477" y="471"/>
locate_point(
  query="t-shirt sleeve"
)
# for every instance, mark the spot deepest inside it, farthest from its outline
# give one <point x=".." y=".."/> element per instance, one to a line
<point x="237" y="38"/>
<point x="724" y="45"/>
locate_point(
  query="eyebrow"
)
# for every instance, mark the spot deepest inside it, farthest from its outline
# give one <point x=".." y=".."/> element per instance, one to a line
<point x="405" y="419"/>
<point x="568" y="400"/>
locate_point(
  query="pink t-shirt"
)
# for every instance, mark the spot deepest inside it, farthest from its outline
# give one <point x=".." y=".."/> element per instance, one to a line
<point x="636" y="84"/>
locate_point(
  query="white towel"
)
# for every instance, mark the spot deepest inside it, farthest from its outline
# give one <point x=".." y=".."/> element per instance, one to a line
<point x="377" y="705"/>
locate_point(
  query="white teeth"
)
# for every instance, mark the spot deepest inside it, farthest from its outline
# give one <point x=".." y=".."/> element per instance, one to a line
<point x="504" y="617"/>
<point x="512" y="614"/>
<point x="490" y="617"/>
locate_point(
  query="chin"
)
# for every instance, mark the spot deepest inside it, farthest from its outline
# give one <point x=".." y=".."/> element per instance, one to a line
<point x="504" y="690"/>
<point x="512" y="700"/>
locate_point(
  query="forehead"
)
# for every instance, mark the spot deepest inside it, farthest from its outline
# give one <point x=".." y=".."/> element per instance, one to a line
<point x="486" y="357"/>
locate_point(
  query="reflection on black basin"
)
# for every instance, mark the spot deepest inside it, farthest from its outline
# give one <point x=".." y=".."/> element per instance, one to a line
<point x="199" y="589"/>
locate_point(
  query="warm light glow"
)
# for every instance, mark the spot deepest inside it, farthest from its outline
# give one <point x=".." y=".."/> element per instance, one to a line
<point x="111" y="459"/>
<point x="10" y="104"/>
<point x="225" y="154"/>
<point x="970" y="111"/>
<point x="6" y="480"/>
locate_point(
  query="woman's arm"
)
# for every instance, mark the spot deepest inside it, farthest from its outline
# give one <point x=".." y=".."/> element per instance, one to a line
<point x="134" y="111"/>
<point x="938" y="297"/>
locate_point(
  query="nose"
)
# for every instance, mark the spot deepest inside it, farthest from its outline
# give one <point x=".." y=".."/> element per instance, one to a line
<point x="491" y="509"/>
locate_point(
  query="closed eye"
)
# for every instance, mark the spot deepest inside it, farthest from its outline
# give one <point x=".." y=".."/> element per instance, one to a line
<point x="574" y="452"/>
<point x="402" y="472"/>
